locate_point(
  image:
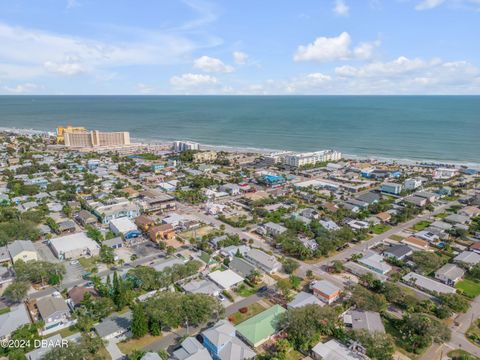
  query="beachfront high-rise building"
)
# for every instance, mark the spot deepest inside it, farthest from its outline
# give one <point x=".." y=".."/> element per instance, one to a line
<point x="180" y="146"/>
<point x="61" y="130"/>
<point x="95" y="138"/>
<point x="310" y="158"/>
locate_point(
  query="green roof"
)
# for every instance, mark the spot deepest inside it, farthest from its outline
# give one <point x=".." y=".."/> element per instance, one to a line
<point x="261" y="326"/>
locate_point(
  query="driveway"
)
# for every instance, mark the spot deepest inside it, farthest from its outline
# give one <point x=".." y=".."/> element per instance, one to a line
<point x="114" y="351"/>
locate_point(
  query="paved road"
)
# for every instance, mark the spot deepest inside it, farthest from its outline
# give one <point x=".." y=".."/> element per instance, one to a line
<point x="69" y="284"/>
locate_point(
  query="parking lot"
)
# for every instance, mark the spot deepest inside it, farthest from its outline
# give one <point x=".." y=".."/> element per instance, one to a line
<point x="74" y="271"/>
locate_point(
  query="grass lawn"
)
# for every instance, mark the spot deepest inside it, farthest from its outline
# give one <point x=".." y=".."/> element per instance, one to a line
<point x="88" y="263"/>
<point x="469" y="288"/>
<point x="4" y="310"/>
<point x="461" y="354"/>
<point x="104" y="354"/>
<point x="196" y="233"/>
<point x="441" y="215"/>
<point x="245" y="291"/>
<point x="130" y="345"/>
<point x="396" y="237"/>
<point x="238" y="317"/>
<point x="421" y="225"/>
<point x="380" y="228"/>
<point x="66" y="332"/>
<point x="293" y="355"/>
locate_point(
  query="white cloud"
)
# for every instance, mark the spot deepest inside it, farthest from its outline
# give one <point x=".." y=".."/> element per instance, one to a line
<point x="341" y="8"/>
<point x="240" y="57"/>
<point x="21" y="88"/>
<point x="401" y="65"/>
<point x="428" y="4"/>
<point x="193" y="80"/>
<point x="144" y="88"/>
<point x="307" y="83"/>
<point x="42" y="53"/>
<point x="325" y="49"/>
<point x="72" y="4"/>
<point x="365" y="49"/>
<point x="210" y="64"/>
<point x="66" y="68"/>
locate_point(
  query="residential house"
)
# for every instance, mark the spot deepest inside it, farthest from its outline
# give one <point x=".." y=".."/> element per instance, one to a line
<point x="334" y="350"/>
<point x="267" y="263"/>
<point x="469" y="258"/>
<point x="469" y="211"/>
<point x="449" y="274"/>
<point x="54" y="312"/>
<point x="416" y="243"/>
<point x="416" y="200"/>
<point x="384" y="217"/>
<point x="144" y="223"/>
<point x="114" y="326"/>
<point x="222" y="344"/>
<point x="161" y="232"/>
<point x="232" y="189"/>
<point x="398" y="252"/>
<point x="426" y="283"/>
<point x="201" y="287"/>
<point x="241" y="266"/>
<point x="302" y="299"/>
<point x="457" y="219"/>
<point x="325" y="291"/>
<point x="274" y="229"/>
<point x="77" y="293"/>
<point x="66" y="226"/>
<point x="376" y="263"/>
<point x="22" y="250"/>
<point x="429" y="196"/>
<point x="226" y="279"/>
<point x="115" y="243"/>
<point x="261" y="327"/>
<point x="364" y="320"/>
<point x="85" y="218"/>
<point x="13" y="319"/>
<point x="190" y="349"/>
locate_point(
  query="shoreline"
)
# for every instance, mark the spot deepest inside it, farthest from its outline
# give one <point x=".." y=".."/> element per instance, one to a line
<point x="263" y="151"/>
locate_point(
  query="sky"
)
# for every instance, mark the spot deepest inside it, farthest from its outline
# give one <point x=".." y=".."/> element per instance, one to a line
<point x="247" y="47"/>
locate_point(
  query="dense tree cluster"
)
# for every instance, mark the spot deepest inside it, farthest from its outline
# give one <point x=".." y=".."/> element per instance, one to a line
<point x="171" y="310"/>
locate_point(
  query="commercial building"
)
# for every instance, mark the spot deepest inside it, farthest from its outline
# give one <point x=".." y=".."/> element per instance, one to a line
<point x="154" y="201"/>
<point x="74" y="246"/>
<point x="124" y="226"/>
<point x="61" y="130"/>
<point x="391" y="188"/>
<point x="412" y="184"/>
<point x="445" y="173"/>
<point x="118" y="210"/>
<point x="311" y="158"/>
<point x="95" y="138"/>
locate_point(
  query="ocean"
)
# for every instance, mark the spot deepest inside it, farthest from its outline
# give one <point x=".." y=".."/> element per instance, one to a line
<point x="438" y="128"/>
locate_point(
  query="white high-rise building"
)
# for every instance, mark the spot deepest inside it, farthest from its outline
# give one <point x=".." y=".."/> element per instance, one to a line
<point x="302" y="159"/>
<point x="96" y="138"/>
<point x="180" y="146"/>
